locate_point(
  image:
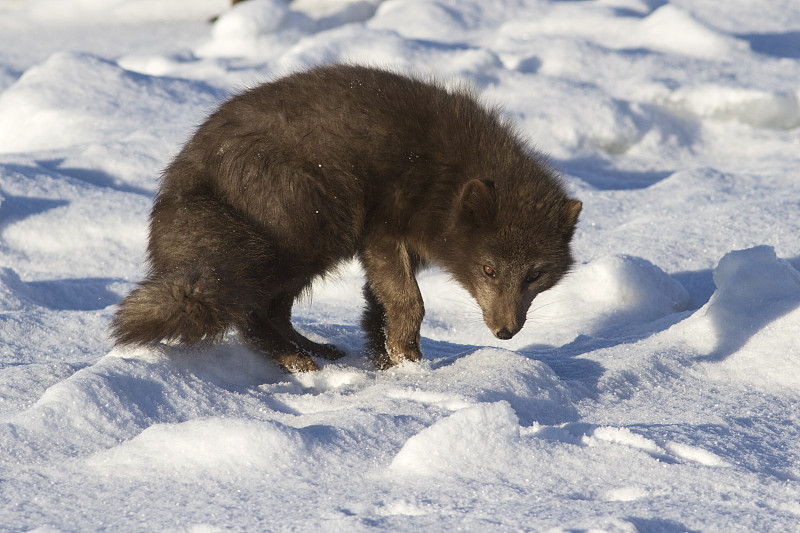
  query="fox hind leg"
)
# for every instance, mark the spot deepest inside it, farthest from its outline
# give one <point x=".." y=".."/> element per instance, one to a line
<point x="373" y="322"/>
<point x="269" y="328"/>
<point x="208" y="266"/>
<point x="212" y="269"/>
<point x="262" y="334"/>
<point x="279" y="313"/>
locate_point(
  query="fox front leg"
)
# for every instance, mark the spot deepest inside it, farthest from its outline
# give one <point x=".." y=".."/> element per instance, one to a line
<point x="394" y="310"/>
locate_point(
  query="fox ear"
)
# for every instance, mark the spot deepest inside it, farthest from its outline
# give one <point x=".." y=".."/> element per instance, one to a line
<point x="478" y="202"/>
<point x="573" y="210"/>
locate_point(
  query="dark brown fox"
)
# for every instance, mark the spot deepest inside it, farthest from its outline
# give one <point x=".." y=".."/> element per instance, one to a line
<point x="288" y="179"/>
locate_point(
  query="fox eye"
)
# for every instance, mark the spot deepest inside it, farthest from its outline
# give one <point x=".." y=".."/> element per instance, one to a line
<point x="532" y="276"/>
<point x="489" y="271"/>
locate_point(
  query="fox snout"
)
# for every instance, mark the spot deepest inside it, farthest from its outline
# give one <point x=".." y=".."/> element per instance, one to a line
<point x="504" y="326"/>
<point x="505" y="316"/>
<point x="503" y="334"/>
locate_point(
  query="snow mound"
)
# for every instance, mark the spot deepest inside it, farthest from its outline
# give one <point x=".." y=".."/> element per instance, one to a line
<point x="131" y="11"/>
<point x="203" y="447"/>
<point x="164" y="410"/>
<point x="530" y="387"/>
<point x="425" y="19"/>
<point x="236" y="30"/>
<point x="611" y="293"/>
<point x="250" y="28"/>
<point x="57" y="105"/>
<point x="87" y="228"/>
<point x="129" y="391"/>
<point x="747" y="330"/>
<point x="744" y="335"/>
<point x="763" y="109"/>
<point x="663" y="28"/>
<point x="601" y="122"/>
<point x="632" y="288"/>
<point x="470" y="442"/>
<point x="659" y="30"/>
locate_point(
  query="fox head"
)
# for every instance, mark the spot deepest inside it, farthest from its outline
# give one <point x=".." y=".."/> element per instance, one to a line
<point x="513" y="245"/>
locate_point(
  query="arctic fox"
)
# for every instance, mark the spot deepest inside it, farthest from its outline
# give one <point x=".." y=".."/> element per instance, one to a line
<point x="288" y="179"/>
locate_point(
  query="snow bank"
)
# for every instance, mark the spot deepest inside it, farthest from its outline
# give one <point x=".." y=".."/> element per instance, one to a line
<point x="236" y="30"/>
<point x="132" y="11"/>
<point x="763" y="109"/>
<point x="253" y="27"/>
<point x="661" y="27"/>
<point x="617" y="293"/>
<point x="471" y="442"/>
<point x="614" y="293"/>
<point x="206" y="447"/>
<point x="746" y="329"/>
<point x="84" y="225"/>
<point x="665" y="28"/>
<point x="741" y="336"/>
<point x="78" y="98"/>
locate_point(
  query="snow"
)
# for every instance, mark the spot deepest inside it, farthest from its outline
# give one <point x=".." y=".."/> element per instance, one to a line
<point x="655" y="389"/>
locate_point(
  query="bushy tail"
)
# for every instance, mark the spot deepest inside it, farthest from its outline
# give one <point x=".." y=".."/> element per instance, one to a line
<point x="189" y="308"/>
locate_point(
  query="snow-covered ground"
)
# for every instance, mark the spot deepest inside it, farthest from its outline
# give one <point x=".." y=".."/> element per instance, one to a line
<point x="657" y="389"/>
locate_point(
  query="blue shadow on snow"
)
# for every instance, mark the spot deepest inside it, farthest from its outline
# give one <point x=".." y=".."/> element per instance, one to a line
<point x="774" y="44"/>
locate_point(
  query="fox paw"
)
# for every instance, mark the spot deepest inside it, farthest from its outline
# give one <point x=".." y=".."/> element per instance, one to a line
<point x="295" y="362"/>
<point x="328" y="351"/>
<point x="394" y="356"/>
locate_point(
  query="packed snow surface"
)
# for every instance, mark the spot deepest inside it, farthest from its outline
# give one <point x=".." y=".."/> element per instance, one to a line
<point x="656" y="389"/>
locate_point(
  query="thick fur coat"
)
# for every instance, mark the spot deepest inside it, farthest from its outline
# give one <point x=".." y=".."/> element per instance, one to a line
<point x="288" y="179"/>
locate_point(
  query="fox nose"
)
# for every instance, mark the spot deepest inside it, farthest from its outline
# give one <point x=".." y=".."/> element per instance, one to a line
<point x="504" y="334"/>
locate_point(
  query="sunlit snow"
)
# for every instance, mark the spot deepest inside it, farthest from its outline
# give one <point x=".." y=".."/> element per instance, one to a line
<point x="656" y="389"/>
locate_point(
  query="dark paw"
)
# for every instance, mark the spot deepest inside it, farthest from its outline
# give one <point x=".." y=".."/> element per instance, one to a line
<point x="295" y="362"/>
<point x="329" y="352"/>
<point x="394" y="356"/>
<point x="326" y="351"/>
